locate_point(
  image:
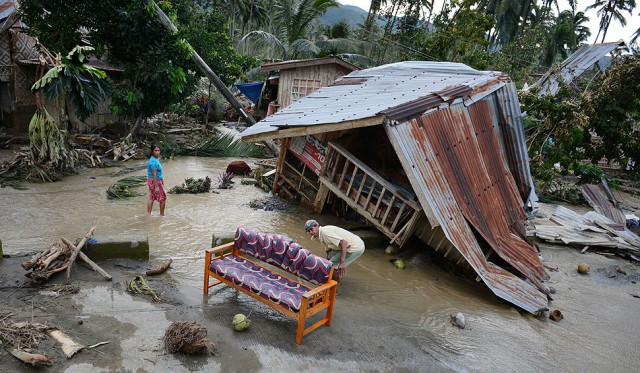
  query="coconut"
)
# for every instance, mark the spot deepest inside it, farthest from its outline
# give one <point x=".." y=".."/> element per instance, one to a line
<point x="391" y="250"/>
<point x="241" y="322"/>
<point x="583" y="268"/>
<point x="399" y="263"/>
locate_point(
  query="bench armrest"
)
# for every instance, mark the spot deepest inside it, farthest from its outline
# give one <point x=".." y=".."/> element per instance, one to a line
<point x="219" y="249"/>
<point x="320" y="289"/>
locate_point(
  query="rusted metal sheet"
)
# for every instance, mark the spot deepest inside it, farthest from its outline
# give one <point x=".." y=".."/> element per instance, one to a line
<point x="598" y="199"/>
<point x="578" y="62"/>
<point x="458" y="171"/>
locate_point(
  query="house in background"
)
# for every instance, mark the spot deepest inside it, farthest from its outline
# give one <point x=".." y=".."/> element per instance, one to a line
<point x="433" y="150"/>
<point x="20" y="57"/>
<point x="298" y="78"/>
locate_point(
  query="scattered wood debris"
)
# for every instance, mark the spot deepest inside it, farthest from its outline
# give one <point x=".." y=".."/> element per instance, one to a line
<point x="59" y="257"/>
<point x="160" y="269"/>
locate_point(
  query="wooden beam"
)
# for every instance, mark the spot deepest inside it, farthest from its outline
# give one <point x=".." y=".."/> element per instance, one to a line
<point x="293" y="131"/>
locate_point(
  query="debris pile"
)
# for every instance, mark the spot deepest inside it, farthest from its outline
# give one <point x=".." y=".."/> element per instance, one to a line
<point x="57" y="258"/>
<point x="188" y="337"/>
<point x="192" y="186"/>
<point x="590" y="230"/>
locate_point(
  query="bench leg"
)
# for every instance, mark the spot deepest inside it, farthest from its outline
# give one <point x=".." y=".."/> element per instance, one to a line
<point x="332" y="299"/>
<point x="302" y="316"/>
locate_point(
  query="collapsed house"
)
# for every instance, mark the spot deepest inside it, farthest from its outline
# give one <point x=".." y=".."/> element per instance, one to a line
<point x="434" y="150"/>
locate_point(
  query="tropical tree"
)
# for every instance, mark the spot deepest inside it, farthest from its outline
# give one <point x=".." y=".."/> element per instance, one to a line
<point x="291" y="33"/>
<point x="69" y="81"/>
<point x="609" y="10"/>
<point x="158" y="70"/>
<point x="565" y="35"/>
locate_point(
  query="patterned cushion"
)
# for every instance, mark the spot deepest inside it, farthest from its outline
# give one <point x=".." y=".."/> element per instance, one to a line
<point x="261" y="281"/>
<point x="281" y="251"/>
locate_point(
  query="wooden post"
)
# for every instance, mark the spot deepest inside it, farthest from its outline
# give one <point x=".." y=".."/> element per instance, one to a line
<point x="207" y="70"/>
<point x="76" y="249"/>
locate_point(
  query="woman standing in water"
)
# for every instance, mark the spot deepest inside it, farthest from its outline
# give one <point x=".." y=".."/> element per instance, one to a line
<point x="155" y="181"/>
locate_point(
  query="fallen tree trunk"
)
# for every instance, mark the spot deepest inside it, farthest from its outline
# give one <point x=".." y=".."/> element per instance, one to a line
<point x="160" y="269"/>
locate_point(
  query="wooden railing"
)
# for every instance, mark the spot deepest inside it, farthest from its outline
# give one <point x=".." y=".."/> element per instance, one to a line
<point x="388" y="207"/>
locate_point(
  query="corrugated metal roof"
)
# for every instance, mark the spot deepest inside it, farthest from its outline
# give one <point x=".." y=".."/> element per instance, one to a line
<point x="577" y="63"/>
<point x="377" y="89"/>
<point x="459" y="171"/>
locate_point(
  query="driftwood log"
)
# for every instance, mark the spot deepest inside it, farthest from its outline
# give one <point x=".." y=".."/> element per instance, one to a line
<point x="160" y="269"/>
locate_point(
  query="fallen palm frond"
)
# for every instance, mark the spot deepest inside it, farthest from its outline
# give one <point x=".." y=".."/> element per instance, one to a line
<point x="193" y="186"/>
<point x="122" y="188"/>
<point x="228" y="145"/>
<point x="188" y="337"/>
<point x="138" y="285"/>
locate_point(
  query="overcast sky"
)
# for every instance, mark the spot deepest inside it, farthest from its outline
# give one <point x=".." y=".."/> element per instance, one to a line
<point x="615" y="32"/>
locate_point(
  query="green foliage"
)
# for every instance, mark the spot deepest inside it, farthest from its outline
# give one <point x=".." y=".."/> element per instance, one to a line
<point x="589" y="173"/>
<point x="459" y="36"/>
<point x="556" y="128"/>
<point x="122" y="189"/>
<point x="158" y="70"/>
<point x="85" y="86"/>
<point x="192" y="186"/>
<point x="614" y="111"/>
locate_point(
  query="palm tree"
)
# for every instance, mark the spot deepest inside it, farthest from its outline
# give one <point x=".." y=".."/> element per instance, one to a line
<point x="566" y="35"/>
<point x="609" y="10"/>
<point x="290" y="31"/>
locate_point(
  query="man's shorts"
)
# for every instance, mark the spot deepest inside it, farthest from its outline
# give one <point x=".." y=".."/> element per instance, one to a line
<point x="334" y="257"/>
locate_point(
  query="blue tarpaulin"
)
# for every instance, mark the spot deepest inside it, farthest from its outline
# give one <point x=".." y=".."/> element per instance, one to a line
<point x="251" y="90"/>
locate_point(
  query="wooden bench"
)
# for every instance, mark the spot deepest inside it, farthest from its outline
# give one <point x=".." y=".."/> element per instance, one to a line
<point x="307" y="290"/>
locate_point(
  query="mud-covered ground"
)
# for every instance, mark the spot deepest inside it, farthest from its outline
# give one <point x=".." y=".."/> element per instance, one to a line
<point x="385" y="319"/>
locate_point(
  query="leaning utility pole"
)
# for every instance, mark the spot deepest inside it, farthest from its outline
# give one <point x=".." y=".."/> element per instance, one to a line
<point x="207" y="70"/>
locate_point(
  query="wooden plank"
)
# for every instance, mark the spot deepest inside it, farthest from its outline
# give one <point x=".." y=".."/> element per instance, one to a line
<point x="293" y="131"/>
<point x="389" y="207"/>
<point x="358" y="209"/>
<point x="353" y="177"/>
<point x="375" y="210"/>
<point x="397" y="219"/>
<point x="364" y="179"/>
<point x="373" y="187"/>
<point x="281" y="156"/>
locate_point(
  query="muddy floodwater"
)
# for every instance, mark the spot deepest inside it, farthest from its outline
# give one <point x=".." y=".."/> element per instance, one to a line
<point x="600" y="330"/>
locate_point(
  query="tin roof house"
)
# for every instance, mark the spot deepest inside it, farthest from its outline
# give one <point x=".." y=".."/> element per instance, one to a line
<point x="297" y="78"/>
<point x="434" y="150"/>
